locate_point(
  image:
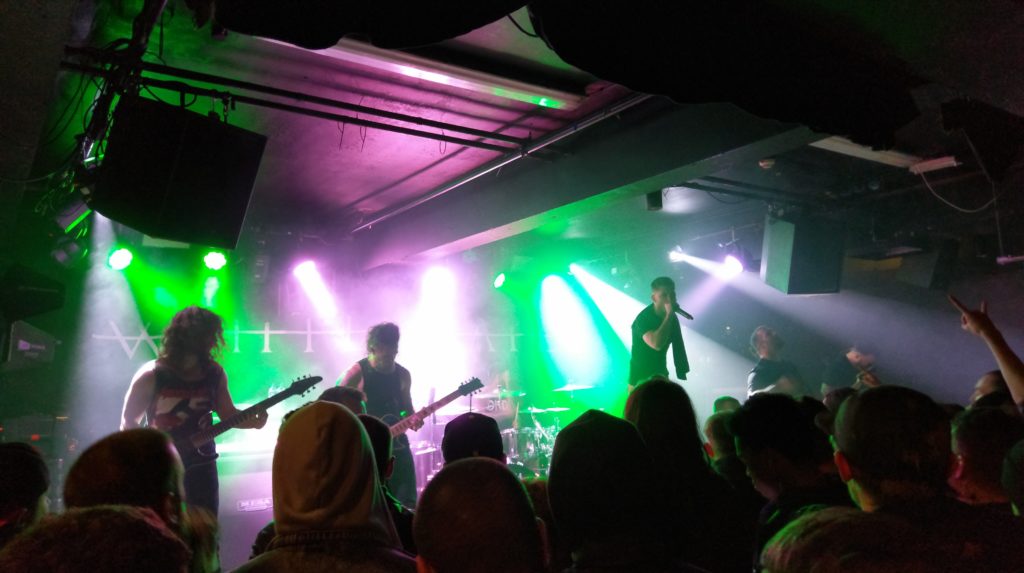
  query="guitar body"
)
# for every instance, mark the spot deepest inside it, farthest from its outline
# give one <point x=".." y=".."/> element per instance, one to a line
<point x="194" y="438"/>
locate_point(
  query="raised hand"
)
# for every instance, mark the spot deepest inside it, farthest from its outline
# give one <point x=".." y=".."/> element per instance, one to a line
<point x="976" y="322"/>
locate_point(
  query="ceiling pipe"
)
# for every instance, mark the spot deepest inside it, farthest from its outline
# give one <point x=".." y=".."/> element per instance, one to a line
<point x="181" y="87"/>
<point x="299" y="96"/>
<point x="492" y="166"/>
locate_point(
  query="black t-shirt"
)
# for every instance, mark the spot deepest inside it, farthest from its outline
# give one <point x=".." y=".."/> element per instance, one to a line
<point x="840" y="373"/>
<point x="767" y="372"/>
<point x="646" y="361"/>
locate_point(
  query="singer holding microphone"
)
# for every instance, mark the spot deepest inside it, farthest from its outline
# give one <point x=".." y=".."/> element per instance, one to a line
<point x="654" y="329"/>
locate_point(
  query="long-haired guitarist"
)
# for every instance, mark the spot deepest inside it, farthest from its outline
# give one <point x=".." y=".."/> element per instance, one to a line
<point x="387" y="386"/>
<point x="179" y="390"/>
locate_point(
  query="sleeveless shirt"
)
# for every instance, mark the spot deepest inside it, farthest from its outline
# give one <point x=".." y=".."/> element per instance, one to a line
<point x="179" y="406"/>
<point x="383" y="392"/>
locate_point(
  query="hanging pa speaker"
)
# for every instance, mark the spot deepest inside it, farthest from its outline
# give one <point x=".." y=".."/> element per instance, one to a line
<point x="803" y="255"/>
<point x="177" y="175"/>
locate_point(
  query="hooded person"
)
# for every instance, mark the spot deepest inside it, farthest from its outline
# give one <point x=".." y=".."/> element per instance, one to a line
<point x="602" y="493"/>
<point x="329" y="509"/>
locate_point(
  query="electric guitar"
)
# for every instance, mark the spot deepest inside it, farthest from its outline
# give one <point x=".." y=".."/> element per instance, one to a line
<point x="196" y="447"/>
<point x="465" y="389"/>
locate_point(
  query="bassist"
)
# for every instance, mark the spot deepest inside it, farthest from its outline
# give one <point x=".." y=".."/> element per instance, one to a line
<point x="387" y="386"/>
<point x="179" y="390"/>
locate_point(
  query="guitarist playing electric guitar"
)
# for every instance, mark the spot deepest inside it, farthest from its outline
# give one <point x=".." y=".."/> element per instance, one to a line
<point x="179" y="390"/>
<point x="387" y="386"/>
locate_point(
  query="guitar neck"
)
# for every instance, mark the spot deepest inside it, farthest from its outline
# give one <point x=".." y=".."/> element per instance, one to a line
<point x="207" y="435"/>
<point x="403" y="425"/>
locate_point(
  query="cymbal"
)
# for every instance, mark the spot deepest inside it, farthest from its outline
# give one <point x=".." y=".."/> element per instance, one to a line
<point x="574" y="387"/>
<point x="532" y="410"/>
<point x="501" y="394"/>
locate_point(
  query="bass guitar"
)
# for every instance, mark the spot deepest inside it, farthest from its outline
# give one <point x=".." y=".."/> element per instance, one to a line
<point x="196" y="447"/>
<point x="465" y="389"/>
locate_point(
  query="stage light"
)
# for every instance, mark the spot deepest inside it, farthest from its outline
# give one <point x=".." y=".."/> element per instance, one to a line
<point x="315" y="289"/>
<point x="119" y="259"/>
<point x="215" y="260"/>
<point x="499" y="281"/>
<point x="731" y="267"/>
<point x="676" y="255"/>
<point x="438" y="283"/>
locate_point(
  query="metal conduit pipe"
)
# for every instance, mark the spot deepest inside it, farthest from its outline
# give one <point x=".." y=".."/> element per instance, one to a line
<point x="541" y="143"/>
<point x="299" y="96"/>
<point x="181" y="87"/>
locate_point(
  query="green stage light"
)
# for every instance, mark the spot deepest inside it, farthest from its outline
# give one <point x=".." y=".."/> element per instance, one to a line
<point x="119" y="259"/>
<point x="215" y="260"/>
<point x="499" y="280"/>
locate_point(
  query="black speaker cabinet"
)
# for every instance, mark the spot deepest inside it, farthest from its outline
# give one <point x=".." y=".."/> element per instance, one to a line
<point x="933" y="269"/>
<point x="803" y="256"/>
<point x="175" y="174"/>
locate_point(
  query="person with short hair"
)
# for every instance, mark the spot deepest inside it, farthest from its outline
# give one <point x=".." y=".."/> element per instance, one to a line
<point x="981" y="439"/>
<point x="991" y="381"/>
<point x="380" y="439"/>
<point x="654" y="329"/>
<point x="846" y="540"/>
<point x="472" y="435"/>
<point x="475" y="517"/>
<point x="178" y="392"/>
<point x="329" y="508"/>
<point x="352" y="398"/>
<point x="771" y="373"/>
<point x="24" y="481"/>
<point x="387" y="386"/>
<point x="782" y="449"/>
<point x="99" y="539"/>
<point x="892" y="448"/>
<point x="138" y="467"/>
<point x="725" y="404"/>
<point x="852" y="368"/>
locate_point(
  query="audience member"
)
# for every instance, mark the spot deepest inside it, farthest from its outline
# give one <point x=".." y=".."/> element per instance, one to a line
<point x="329" y="509"/>
<point x="846" y="540"/>
<point x="853" y="368"/>
<point x="725" y="462"/>
<point x="1013" y="477"/>
<point x="781" y="447"/>
<point x="24" y="480"/>
<point x="472" y="435"/>
<point x="981" y="439"/>
<point x="382" y="442"/>
<point x="352" y="398"/>
<point x="203" y="538"/>
<point x="1000" y="399"/>
<point x="475" y="517"/>
<point x="771" y="373"/>
<point x="137" y="467"/>
<point x="893" y="450"/>
<point x="826" y="420"/>
<point x="991" y="381"/>
<point x="725" y="404"/>
<point x="559" y="555"/>
<point x="100" y="539"/>
<point x="713" y="528"/>
<point x="978" y="323"/>
<point x="602" y="489"/>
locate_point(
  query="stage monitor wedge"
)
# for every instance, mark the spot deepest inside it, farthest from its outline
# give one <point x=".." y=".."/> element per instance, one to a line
<point x="175" y="174"/>
<point x="803" y="255"/>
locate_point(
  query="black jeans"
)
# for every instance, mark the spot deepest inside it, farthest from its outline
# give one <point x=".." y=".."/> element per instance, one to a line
<point x="202" y="488"/>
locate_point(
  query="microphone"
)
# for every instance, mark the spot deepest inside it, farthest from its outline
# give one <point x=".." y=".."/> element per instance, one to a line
<point x="675" y="307"/>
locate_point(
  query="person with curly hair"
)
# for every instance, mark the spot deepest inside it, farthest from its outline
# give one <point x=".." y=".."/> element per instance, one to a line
<point x="178" y="392"/>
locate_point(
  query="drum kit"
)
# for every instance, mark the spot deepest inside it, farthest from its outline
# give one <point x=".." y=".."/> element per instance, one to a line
<point x="528" y="435"/>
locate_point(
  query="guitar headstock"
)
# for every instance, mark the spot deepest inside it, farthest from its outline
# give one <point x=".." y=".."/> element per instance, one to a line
<point x="303" y="385"/>
<point x="470" y="386"/>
